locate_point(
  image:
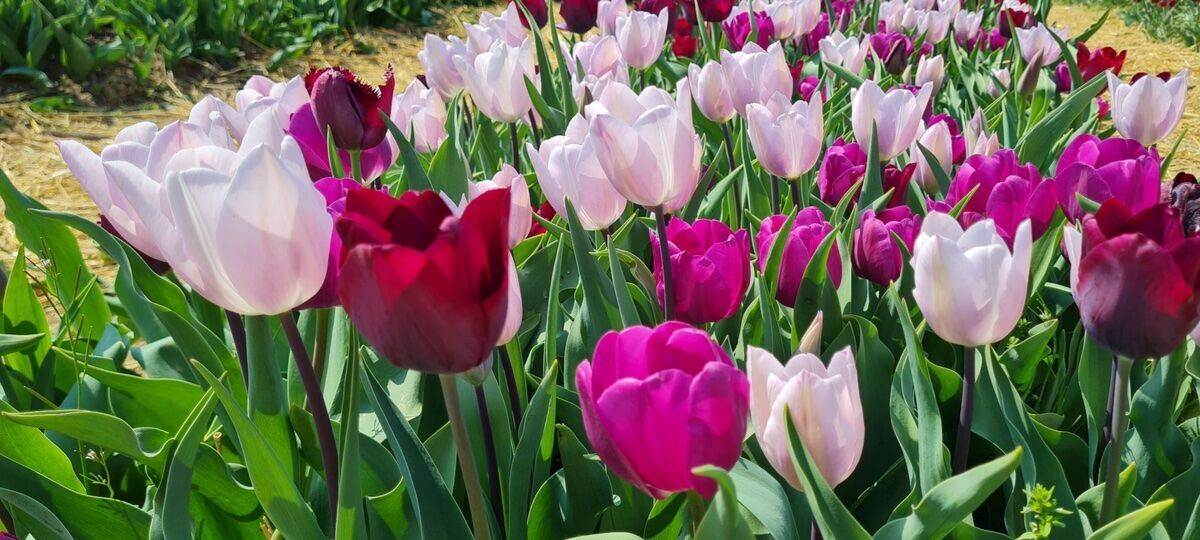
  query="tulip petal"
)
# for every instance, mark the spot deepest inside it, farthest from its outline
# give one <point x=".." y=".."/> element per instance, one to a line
<point x="657" y="445"/>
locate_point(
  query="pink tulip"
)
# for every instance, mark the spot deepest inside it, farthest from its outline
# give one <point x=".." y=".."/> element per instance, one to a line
<point x="876" y="256"/>
<point x="607" y="13"/>
<point x="600" y="56"/>
<point x="641" y="36"/>
<point x="567" y="169"/>
<point x="710" y="269"/>
<point x="794" y="18"/>
<point x="966" y="27"/>
<point x="419" y="112"/>
<point x="787" y="137"/>
<point x="808" y="231"/>
<point x="1103" y="169"/>
<point x="438" y="60"/>
<point x="977" y="138"/>
<point x="930" y="70"/>
<point x="822" y="403"/>
<point x="496" y="81"/>
<point x="710" y="88"/>
<point x="936" y="138"/>
<point x="261" y="94"/>
<point x="507" y="28"/>
<point x="520" y="217"/>
<point x="896" y="114"/>
<point x="755" y="75"/>
<point x="844" y="51"/>
<point x="1038" y="45"/>
<point x="646" y="144"/>
<point x="1149" y="109"/>
<point x="660" y="402"/>
<point x="934" y="25"/>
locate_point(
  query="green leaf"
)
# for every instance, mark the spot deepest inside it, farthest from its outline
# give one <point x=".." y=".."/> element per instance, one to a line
<point x="414" y="172"/>
<point x="852" y="79"/>
<point x="172" y="517"/>
<point x="34" y="518"/>
<point x="1039" y="142"/>
<point x="267" y="400"/>
<point x="533" y="452"/>
<point x="22" y="314"/>
<point x="1095" y="27"/>
<point x="597" y="293"/>
<point x="830" y="514"/>
<point x="10" y="343"/>
<point x="84" y="516"/>
<point x="629" y="314"/>
<point x="873" y="180"/>
<point x="32" y="449"/>
<point x="931" y="450"/>
<point x="1134" y="524"/>
<point x="448" y="172"/>
<point x="765" y="499"/>
<point x="351" y="521"/>
<point x="103" y="430"/>
<point x="158" y="403"/>
<point x="722" y="521"/>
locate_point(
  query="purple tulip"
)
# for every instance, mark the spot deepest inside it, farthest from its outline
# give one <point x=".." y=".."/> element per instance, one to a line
<point x="303" y="127"/>
<point x="348" y="108"/>
<point x="810" y="44"/>
<point x="1008" y="193"/>
<point x="843" y="165"/>
<point x="710" y="268"/>
<point x="334" y="190"/>
<point x="1112" y="168"/>
<point x="876" y="256"/>
<point x="659" y="402"/>
<point x="809" y="229"/>
<point x="893" y="49"/>
<point x="738" y="30"/>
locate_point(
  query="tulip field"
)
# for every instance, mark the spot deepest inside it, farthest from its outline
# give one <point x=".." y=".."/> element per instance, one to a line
<point x="842" y="269"/>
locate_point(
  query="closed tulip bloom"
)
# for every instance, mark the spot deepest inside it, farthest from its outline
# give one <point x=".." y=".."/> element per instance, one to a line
<point x="1149" y="109"/>
<point x="738" y="28"/>
<point x="419" y="112"/>
<point x="1103" y="169"/>
<point x="1014" y="13"/>
<point x="710" y="89"/>
<point x="970" y="286"/>
<point x="843" y="166"/>
<point x="428" y="290"/>
<point x="896" y="114"/>
<point x="1037" y="44"/>
<point x="844" y="51"/>
<point x="578" y="16"/>
<point x="314" y="144"/>
<point x="348" y="107"/>
<point x="710" y="269"/>
<point x="536" y="8"/>
<point x="787" y="137"/>
<point x="660" y="402"/>
<point x="808" y="231"/>
<point x="334" y="190"/>
<point x="936" y="138"/>
<point x="977" y="139"/>
<point x="1139" y="280"/>
<point x="641" y="36"/>
<point x="793" y="18"/>
<point x="822" y="403"/>
<point x="1006" y="191"/>
<point x="438" y="60"/>
<point x="567" y="169"/>
<point x="755" y="75"/>
<point x="607" y="13"/>
<point x="876" y="256"/>
<point x="966" y="27"/>
<point x="930" y="70"/>
<point x="892" y="50"/>
<point x="934" y="25"/>
<point x="600" y="56"/>
<point x="715" y="10"/>
<point x="520" y="216"/>
<point x="646" y="144"/>
<point x="496" y="81"/>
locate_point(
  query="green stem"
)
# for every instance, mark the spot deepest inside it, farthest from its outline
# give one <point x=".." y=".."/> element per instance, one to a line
<point x="696" y="508"/>
<point x="466" y="459"/>
<point x="1112" y="477"/>
<point x="321" y="341"/>
<point x="356" y="168"/>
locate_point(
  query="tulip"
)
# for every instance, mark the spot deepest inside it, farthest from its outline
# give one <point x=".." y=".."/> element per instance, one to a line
<point x="641" y="36"/>
<point x="891" y="15"/>
<point x="970" y="286"/>
<point x="508" y="28"/>
<point x="896" y="115"/>
<point x="496" y="81"/>
<point x="536" y="8"/>
<point x="419" y="112"/>
<point x="876" y="256"/>
<point x="646" y="144"/>
<point x="738" y="29"/>
<point x="607" y="13"/>
<point x="520" y="217"/>
<point x="427" y="290"/>
<point x="715" y="10"/>
<point x="578" y="16"/>
<point x="313" y="143"/>
<point x="976" y="137"/>
<point x="958" y="142"/>
<point x="811" y="43"/>
<point x="683" y="43"/>
<point x="1006" y="192"/>
<point x="258" y="95"/>
<point x="931" y="70"/>
<point x="934" y="25"/>
<point x="843" y="166"/>
<point x="897" y="180"/>
<point x="599" y="56"/>
<point x="1092" y="63"/>
<point x="892" y="50"/>
<point x="808" y="231"/>
<point x="1038" y="46"/>
<point x="793" y="19"/>
<point x="334" y="190"/>
<point x="755" y="75"/>
<point x="936" y="138"/>
<point x="1184" y="196"/>
<point x="966" y="27"/>
<point x="660" y="402"/>
<point x="1149" y="109"/>
<point x="787" y="137"/>
<point x="567" y="169"/>
<point x="710" y="89"/>
<point x="1014" y="13"/>
<point x="844" y="51"/>
<point x="438" y="60"/>
<point x="710" y="269"/>
<point x="349" y="108"/>
<point x="1100" y="170"/>
<point x="806" y="87"/>
<point x="1139" y="280"/>
<point x="1000" y="83"/>
<point x="822" y="403"/>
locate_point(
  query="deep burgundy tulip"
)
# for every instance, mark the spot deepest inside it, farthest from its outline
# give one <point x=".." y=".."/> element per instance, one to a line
<point x="715" y="10"/>
<point x="710" y="268"/>
<point x="1139" y="280"/>
<point x="738" y="30"/>
<point x="877" y="257"/>
<point x="1006" y="192"/>
<point x="1183" y="194"/>
<point x="809" y="229"/>
<point x="335" y="191"/>
<point x="537" y="8"/>
<point x="579" y="16"/>
<point x="1105" y="169"/>
<point x="843" y="165"/>
<point x="897" y="179"/>
<point x="427" y="290"/>
<point x="659" y="402"/>
<point x="1093" y="63"/>
<point x="1014" y="13"/>
<point x="893" y="49"/>
<point x="313" y="144"/>
<point x="683" y="43"/>
<point x="349" y="107"/>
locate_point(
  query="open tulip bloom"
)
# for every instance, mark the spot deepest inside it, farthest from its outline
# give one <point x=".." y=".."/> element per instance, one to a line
<point x="582" y="240"/>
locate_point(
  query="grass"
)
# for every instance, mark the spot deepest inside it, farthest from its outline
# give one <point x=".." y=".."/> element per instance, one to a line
<point x="1163" y="20"/>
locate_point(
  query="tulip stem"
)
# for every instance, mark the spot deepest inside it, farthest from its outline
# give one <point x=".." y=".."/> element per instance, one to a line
<point x="1108" y="508"/>
<point x="1112" y="394"/>
<point x="737" y="199"/>
<point x="514" y="397"/>
<point x="356" y="169"/>
<point x="797" y="198"/>
<point x="320" y="412"/>
<point x="966" y="412"/>
<point x="660" y="220"/>
<point x="696" y="509"/>
<point x="537" y="134"/>
<point x="321" y="342"/>
<point x="489" y="446"/>
<point x="516" y="147"/>
<point x="466" y="459"/>
<point x="237" y="329"/>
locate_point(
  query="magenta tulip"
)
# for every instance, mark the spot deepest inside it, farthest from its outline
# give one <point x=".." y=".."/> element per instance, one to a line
<point x="809" y="229"/>
<point x="1103" y="169"/>
<point x="710" y="269"/>
<point x="1006" y="192"/>
<point x="876" y="256"/>
<point x="660" y="402"/>
<point x="738" y="29"/>
<point x="335" y="191"/>
<point x="427" y="290"/>
<point x="844" y="165"/>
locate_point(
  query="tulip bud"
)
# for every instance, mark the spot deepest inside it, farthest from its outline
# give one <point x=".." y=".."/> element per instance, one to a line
<point x="1149" y="109"/>
<point x="937" y="140"/>
<point x="966" y="27"/>
<point x="419" y="112"/>
<point x="844" y="51"/>
<point x="1038" y="46"/>
<point x="438" y="60"/>
<point x="738" y="29"/>
<point x="931" y="70"/>
<point x="843" y="166"/>
<point x="755" y="75"/>
<point x="710" y="89"/>
<point x="876" y="256"/>
<point x="349" y="108"/>
<point x="710" y="269"/>
<point x="536" y="8"/>
<point x="1029" y="78"/>
<point x="715" y="10"/>
<point x="810" y="342"/>
<point x="1006" y="191"/>
<point x="793" y="19"/>
<point x="578" y="16"/>
<point x="641" y="37"/>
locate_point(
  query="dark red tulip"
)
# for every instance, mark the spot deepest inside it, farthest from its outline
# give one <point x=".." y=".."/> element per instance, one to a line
<point x="349" y="107"/>
<point x="1094" y="63"/>
<point x="537" y="8"/>
<point x="683" y="43"/>
<point x="579" y="16"/>
<point x="715" y="10"/>
<point x="1139" y="280"/>
<point x="428" y="290"/>
<point x="546" y="212"/>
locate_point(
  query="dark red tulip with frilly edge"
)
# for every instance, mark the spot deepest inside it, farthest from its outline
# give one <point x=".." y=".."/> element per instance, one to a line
<point x="428" y="290"/>
<point x="1139" y="280"/>
<point x="349" y="107"/>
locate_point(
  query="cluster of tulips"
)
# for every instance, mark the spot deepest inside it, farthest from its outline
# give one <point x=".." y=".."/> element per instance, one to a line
<point x="816" y="163"/>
